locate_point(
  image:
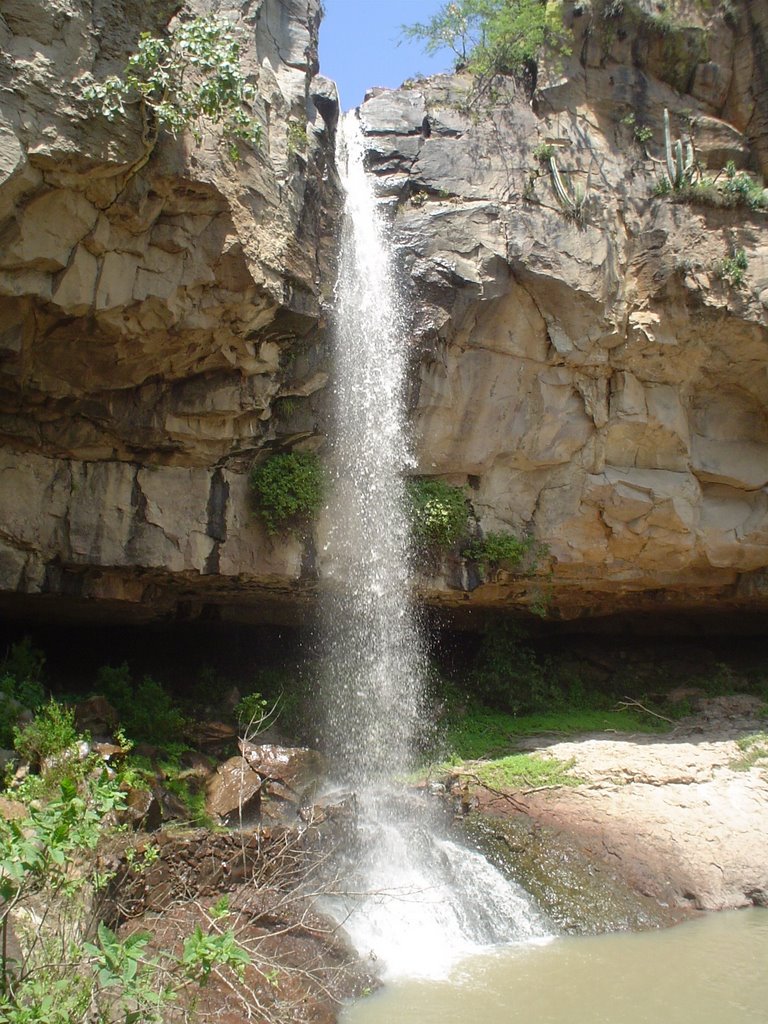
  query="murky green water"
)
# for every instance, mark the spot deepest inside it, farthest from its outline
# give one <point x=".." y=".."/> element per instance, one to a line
<point x="710" y="971"/>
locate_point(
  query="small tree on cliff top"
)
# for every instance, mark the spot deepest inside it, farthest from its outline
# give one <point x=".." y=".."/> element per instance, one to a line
<point x="494" y="37"/>
<point x="190" y="79"/>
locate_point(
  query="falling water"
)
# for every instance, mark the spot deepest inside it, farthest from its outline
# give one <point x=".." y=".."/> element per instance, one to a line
<point x="425" y="901"/>
<point x="375" y="657"/>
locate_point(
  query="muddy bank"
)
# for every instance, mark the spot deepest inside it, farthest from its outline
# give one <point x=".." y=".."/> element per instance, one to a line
<point x="677" y="816"/>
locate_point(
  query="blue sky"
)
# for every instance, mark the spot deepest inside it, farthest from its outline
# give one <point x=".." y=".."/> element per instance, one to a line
<point x="358" y="45"/>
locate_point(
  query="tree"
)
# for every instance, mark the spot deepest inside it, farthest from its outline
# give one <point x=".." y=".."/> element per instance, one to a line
<point x="494" y="37"/>
<point x="188" y="80"/>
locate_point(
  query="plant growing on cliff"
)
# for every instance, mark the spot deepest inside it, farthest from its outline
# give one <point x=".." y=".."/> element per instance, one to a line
<point x="504" y="550"/>
<point x="438" y="513"/>
<point x="733" y="268"/>
<point x="190" y="79"/>
<point x="493" y="37"/>
<point x="287" y="489"/>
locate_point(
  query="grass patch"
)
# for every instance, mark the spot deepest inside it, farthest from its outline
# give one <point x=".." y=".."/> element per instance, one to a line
<point x="482" y="732"/>
<point x="754" y="751"/>
<point x="525" y="771"/>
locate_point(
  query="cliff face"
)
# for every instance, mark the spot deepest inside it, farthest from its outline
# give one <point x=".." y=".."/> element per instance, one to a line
<point x="597" y="384"/>
<point x="152" y="316"/>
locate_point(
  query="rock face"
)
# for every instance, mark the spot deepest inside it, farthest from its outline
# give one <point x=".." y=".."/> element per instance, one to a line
<point x="593" y="380"/>
<point x="152" y="314"/>
<point x="596" y="384"/>
<point x="681" y="818"/>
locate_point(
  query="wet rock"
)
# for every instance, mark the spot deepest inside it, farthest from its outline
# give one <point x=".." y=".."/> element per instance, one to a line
<point x="291" y="774"/>
<point x="577" y="893"/>
<point x="213" y="736"/>
<point x="233" y="794"/>
<point x="143" y="810"/>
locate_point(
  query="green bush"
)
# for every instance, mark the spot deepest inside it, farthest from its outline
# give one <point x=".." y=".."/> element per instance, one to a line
<point x="438" y="513"/>
<point x="146" y="710"/>
<point x="21" y="686"/>
<point x="503" y="550"/>
<point x="189" y="79"/>
<point x="51" y="732"/>
<point x="287" y="489"/>
<point x="508" y="675"/>
<point x="733" y="268"/>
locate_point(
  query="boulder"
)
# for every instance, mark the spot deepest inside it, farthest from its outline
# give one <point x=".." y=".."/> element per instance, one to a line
<point x="233" y="794"/>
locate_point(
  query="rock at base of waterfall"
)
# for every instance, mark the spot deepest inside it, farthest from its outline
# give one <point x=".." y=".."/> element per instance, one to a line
<point x="292" y="774"/>
<point x="234" y="793"/>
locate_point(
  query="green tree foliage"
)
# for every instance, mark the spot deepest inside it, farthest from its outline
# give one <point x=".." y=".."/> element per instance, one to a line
<point x="493" y="37"/>
<point x="189" y="79"/>
<point x="287" y="489"/>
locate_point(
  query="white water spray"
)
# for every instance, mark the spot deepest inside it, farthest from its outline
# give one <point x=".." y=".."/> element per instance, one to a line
<point x="422" y="901"/>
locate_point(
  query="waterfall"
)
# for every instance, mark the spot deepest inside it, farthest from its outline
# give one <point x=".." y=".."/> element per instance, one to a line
<point x="420" y="900"/>
<point x="375" y="659"/>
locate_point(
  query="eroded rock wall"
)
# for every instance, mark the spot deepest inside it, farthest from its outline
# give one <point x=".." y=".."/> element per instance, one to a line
<point x="597" y="384"/>
<point x="160" y="319"/>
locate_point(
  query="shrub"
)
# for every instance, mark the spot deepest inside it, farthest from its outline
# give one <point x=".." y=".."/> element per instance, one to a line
<point x="146" y="710"/>
<point x="188" y="79"/>
<point x="508" y="675"/>
<point x="497" y="550"/>
<point x="288" y="490"/>
<point x="438" y="513"/>
<point x="51" y="732"/>
<point x="733" y="268"/>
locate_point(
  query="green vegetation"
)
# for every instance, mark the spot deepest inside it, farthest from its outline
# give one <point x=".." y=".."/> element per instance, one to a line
<point x="523" y="771"/>
<point x="189" y="79"/>
<point x="297" y="137"/>
<point x="146" y="710"/>
<point x="288" y="490"/>
<point x="754" y="752"/>
<point x="51" y="732"/>
<point x="438" y="513"/>
<point x="642" y="132"/>
<point x="484" y="732"/>
<point x="504" y="551"/>
<point x="21" y="687"/>
<point x="62" y="977"/>
<point x="685" y="182"/>
<point x="494" y="37"/>
<point x="680" y="168"/>
<point x="733" y="268"/>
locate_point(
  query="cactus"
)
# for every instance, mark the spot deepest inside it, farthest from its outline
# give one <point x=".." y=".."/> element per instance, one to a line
<point x="680" y="170"/>
<point x="572" y="200"/>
